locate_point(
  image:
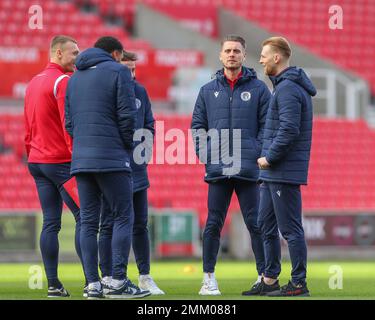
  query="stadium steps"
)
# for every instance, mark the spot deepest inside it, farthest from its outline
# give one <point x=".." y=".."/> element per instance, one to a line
<point x="303" y="22"/>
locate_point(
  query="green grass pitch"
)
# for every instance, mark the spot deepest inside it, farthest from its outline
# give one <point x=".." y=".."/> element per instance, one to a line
<point x="181" y="280"/>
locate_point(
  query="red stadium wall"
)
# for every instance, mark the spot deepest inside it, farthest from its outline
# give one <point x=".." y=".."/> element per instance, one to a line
<point x="19" y="65"/>
<point x="155" y="68"/>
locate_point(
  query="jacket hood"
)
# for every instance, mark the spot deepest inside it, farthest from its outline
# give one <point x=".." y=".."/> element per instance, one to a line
<point x="296" y="75"/>
<point x="246" y="73"/>
<point x="91" y="57"/>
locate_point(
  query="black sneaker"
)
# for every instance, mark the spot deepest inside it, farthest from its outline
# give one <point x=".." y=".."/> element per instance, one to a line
<point x="255" y="290"/>
<point x="291" y="290"/>
<point x="127" y="291"/>
<point x="54" y="292"/>
<point x="261" y="289"/>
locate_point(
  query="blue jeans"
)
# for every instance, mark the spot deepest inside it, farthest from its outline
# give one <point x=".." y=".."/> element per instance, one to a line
<point x="219" y="197"/>
<point x="117" y="189"/>
<point x="49" y="180"/>
<point x="281" y="208"/>
<point x="141" y="241"/>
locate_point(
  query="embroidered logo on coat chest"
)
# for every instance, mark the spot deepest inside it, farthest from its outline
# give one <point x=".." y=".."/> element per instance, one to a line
<point x="245" y="96"/>
<point x="138" y="103"/>
<point x="216" y="93"/>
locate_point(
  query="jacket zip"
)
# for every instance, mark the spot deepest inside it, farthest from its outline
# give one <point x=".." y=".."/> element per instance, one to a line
<point x="230" y="117"/>
<point x="230" y="123"/>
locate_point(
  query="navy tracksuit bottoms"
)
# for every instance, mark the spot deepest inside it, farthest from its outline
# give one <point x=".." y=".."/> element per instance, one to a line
<point x="49" y="180"/>
<point x="140" y="242"/>
<point x="117" y="188"/>
<point x="280" y="208"/>
<point x="219" y="197"/>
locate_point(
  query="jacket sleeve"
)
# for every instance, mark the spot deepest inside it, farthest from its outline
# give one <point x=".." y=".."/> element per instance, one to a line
<point x="68" y="119"/>
<point x="126" y="110"/>
<point x="60" y="97"/>
<point x="149" y="123"/>
<point x="262" y="113"/>
<point x="27" y="128"/>
<point x="289" y="107"/>
<point x="199" y="123"/>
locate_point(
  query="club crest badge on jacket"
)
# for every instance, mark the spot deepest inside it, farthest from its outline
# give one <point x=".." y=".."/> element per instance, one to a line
<point x="245" y="96"/>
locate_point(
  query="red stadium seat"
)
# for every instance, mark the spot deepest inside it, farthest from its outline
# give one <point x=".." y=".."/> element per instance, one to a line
<point x="335" y="181"/>
<point x="304" y="22"/>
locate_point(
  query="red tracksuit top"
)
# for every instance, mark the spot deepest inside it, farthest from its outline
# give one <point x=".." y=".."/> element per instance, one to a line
<point x="46" y="139"/>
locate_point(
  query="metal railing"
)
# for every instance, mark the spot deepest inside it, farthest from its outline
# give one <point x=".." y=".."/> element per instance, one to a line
<point x="355" y="93"/>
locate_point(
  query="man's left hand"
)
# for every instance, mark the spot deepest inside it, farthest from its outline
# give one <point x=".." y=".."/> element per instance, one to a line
<point x="263" y="163"/>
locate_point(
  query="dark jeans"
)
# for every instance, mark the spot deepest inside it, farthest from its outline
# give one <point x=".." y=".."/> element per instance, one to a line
<point x="141" y="241"/>
<point x="219" y="197"/>
<point x="117" y="189"/>
<point x="49" y="179"/>
<point x="281" y="208"/>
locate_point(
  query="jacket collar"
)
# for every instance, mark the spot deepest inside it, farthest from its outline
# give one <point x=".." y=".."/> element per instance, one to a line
<point x="247" y="74"/>
<point x="52" y="65"/>
<point x="278" y="78"/>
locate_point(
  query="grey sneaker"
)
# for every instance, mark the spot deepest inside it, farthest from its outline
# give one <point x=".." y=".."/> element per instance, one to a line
<point x="127" y="291"/>
<point x="95" y="291"/>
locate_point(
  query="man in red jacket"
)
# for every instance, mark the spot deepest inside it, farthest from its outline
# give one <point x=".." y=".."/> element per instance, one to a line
<point x="48" y="148"/>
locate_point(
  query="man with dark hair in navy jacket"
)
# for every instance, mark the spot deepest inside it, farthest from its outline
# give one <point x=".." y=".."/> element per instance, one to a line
<point x="100" y="115"/>
<point x="284" y="166"/>
<point x="141" y="241"/>
<point x="229" y="115"/>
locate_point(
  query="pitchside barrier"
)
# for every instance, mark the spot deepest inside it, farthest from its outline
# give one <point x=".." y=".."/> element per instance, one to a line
<point x="17" y="232"/>
<point x="342" y="235"/>
<point x="176" y="234"/>
<point x="173" y="234"/>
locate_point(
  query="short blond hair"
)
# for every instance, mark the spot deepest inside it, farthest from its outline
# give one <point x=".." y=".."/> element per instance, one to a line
<point x="280" y="45"/>
<point x="60" y="40"/>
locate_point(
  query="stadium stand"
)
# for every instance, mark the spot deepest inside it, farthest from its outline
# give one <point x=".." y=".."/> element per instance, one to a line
<point x="58" y="17"/>
<point x="342" y="175"/>
<point x="20" y="43"/>
<point x="303" y="22"/>
<point x="352" y="49"/>
<point x="342" y="171"/>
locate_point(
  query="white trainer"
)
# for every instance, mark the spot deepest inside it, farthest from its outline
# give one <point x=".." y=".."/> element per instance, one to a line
<point x="209" y="286"/>
<point x="145" y="282"/>
<point x="106" y="284"/>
